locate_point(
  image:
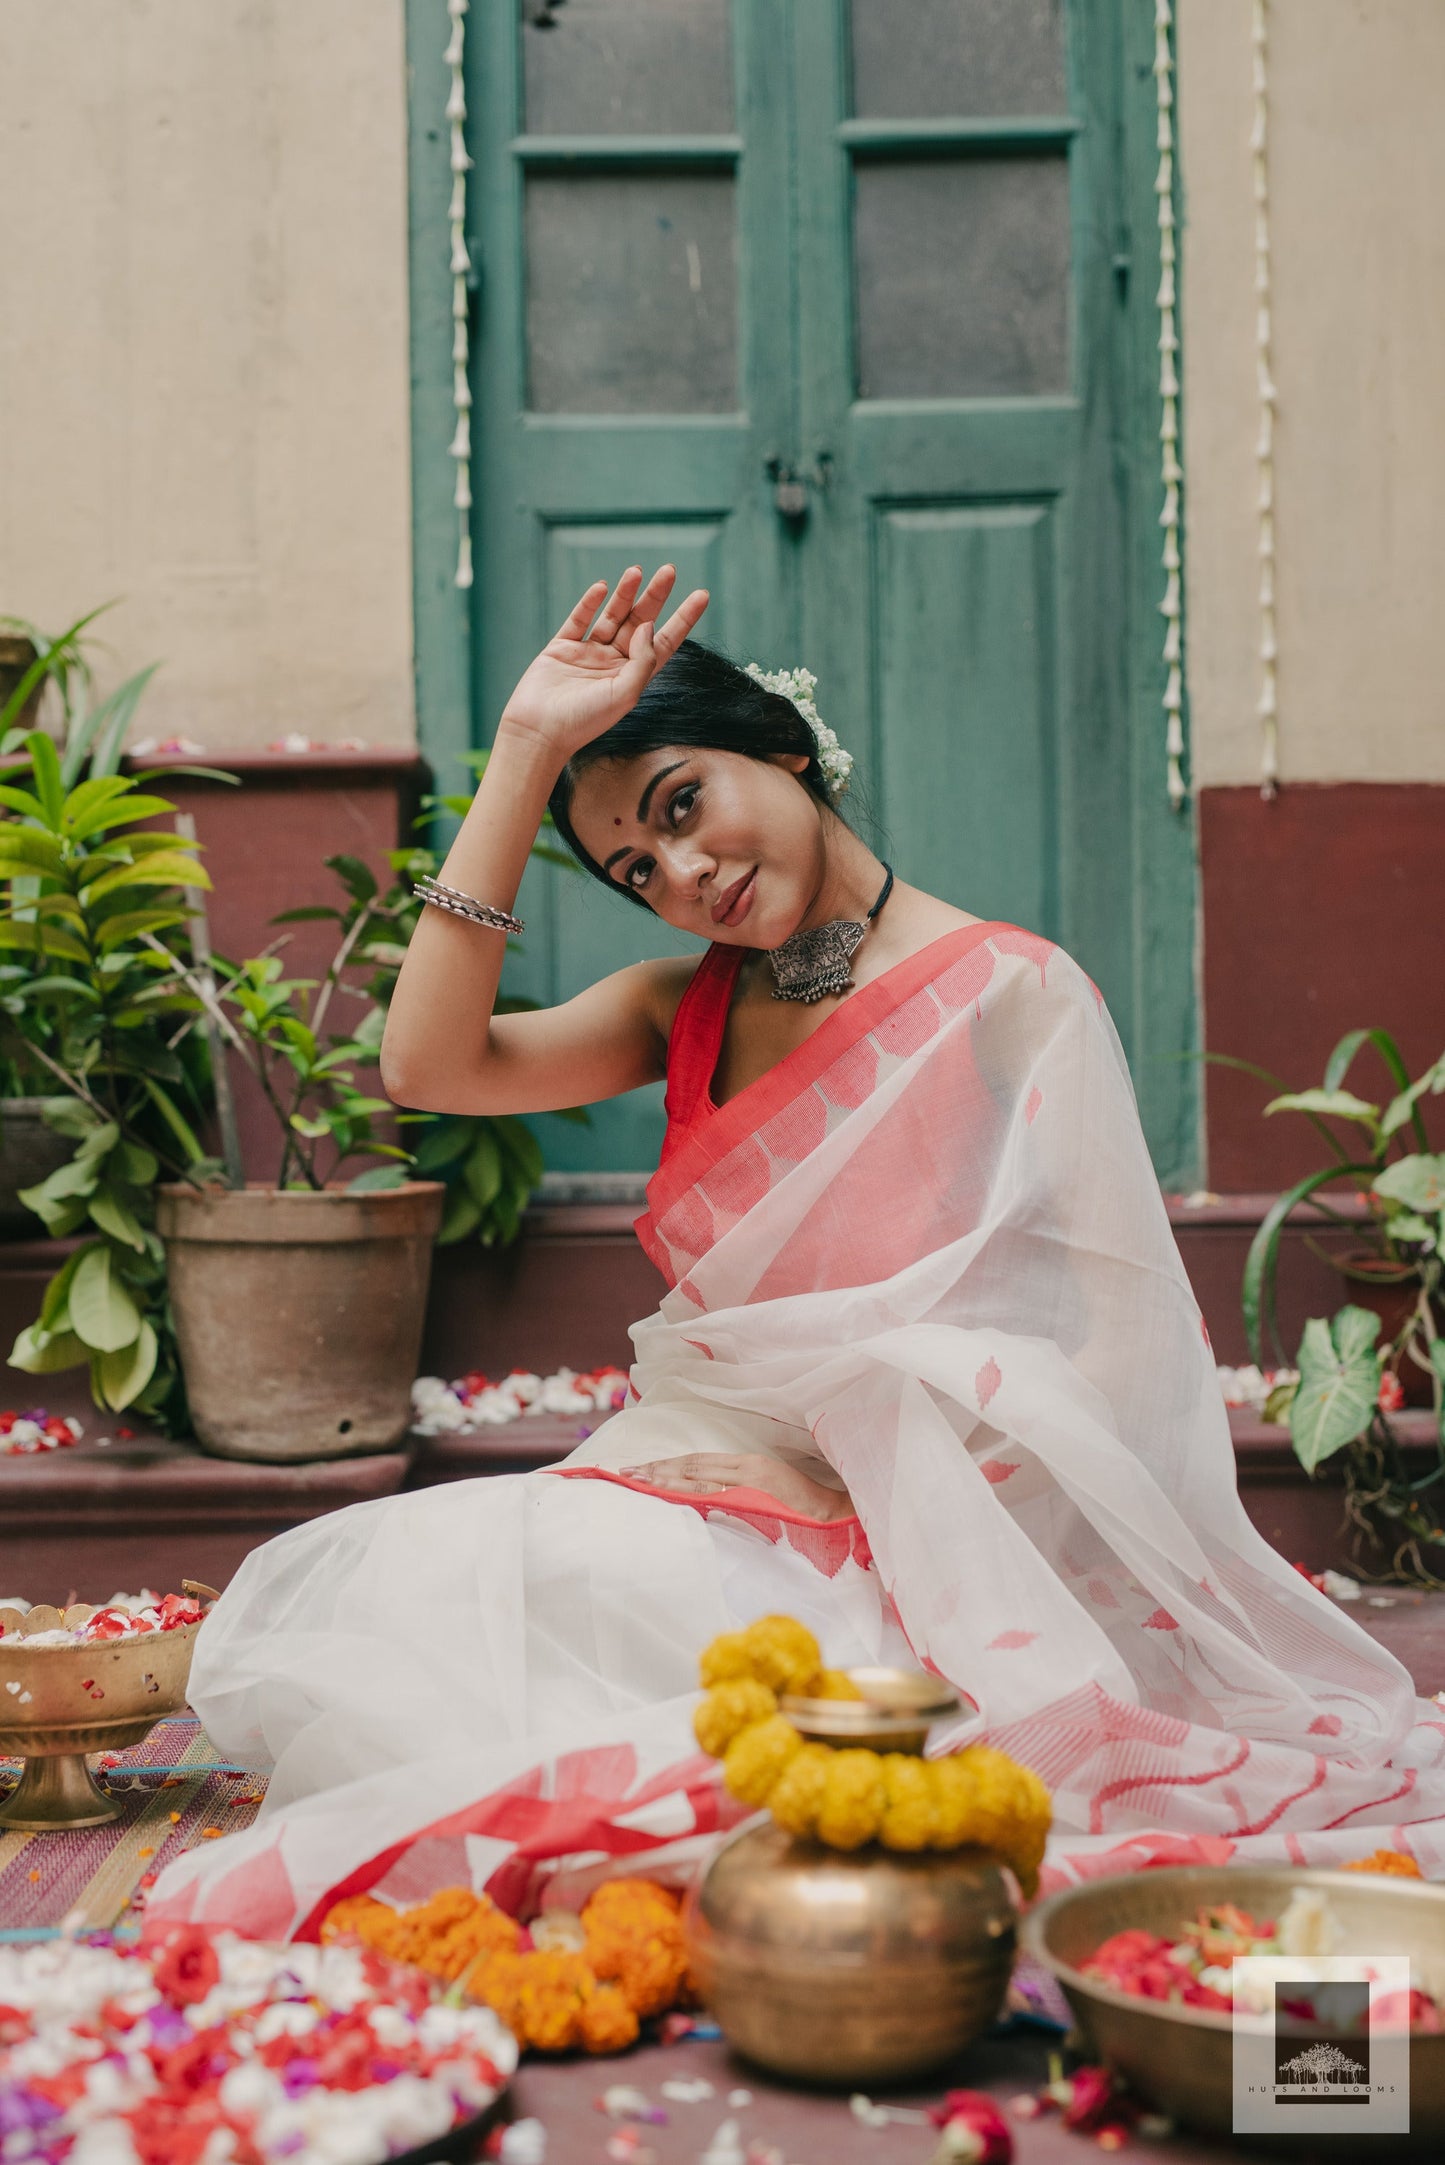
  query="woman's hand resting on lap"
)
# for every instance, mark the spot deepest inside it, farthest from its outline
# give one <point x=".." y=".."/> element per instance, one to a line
<point x="708" y="1473"/>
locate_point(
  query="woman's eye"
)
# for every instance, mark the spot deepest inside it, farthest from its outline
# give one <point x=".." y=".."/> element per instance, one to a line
<point x="676" y="809"/>
<point x="643" y="865"/>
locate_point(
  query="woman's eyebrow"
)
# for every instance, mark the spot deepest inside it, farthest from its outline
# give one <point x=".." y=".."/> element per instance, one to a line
<point x="643" y="803"/>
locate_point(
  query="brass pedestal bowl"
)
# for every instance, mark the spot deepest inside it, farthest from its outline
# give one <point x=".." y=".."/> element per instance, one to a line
<point x="59" y="1702"/>
<point x="846" y="1968"/>
<point x="1181" y="2059"/>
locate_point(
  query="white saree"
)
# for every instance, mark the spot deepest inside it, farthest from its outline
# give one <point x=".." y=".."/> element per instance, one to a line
<point x="926" y="1259"/>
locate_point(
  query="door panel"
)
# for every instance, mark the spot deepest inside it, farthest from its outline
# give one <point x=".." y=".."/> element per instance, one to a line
<point x="967" y="626"/>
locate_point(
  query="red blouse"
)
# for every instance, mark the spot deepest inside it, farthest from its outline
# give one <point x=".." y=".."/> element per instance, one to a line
<point x="696" y="1041"/>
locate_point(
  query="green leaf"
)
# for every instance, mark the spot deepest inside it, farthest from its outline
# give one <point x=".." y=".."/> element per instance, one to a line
<point x="102" y="1310"/>
<point x="377" y="1178"/>
<point x="54" y="1313"/>
<point x="118" y="1378"/>
<point x="115" y="1217"/>
<point x="120" y="812"/>
<point x="461" y="1216"/>
<point x="312" y="913"/>
<point x="173" y="1117"/>
<point x="482" y="1171"/>
<point x="1407" y="1105"/>
<point x="447" y="1140"/>
<point x="316" y="1129"/>
<point x="1339" y="1104"/>
<point x="356" y="877"/>
<point x="1408" y="1225"/>
<point x="136" y="1165"/>
<point x="1257" y="1296"/>
<point x="41" y="1355"/>
<point x="34" y="938"/>
<point x="100" y="736"/>
<point x="21" y="801"/>
<point x="1339" y="1385"/>
<point x="77" y="1177"/>
<point x="1342" y="1058"/>
<point x="45" y="764"/>
<point x="172" y="870"/>
<point x="127" y="925"/>
<point x="30" y="847"/>
<point x="1417" y="1182"/>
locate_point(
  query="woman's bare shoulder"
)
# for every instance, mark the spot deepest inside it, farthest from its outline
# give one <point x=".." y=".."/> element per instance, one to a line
<point x="664" y="980"/>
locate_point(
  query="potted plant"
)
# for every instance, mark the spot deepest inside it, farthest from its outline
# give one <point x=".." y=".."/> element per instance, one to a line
<point x="1383" y="1346"/>
<point x="93" y="933"/>
<point x="44" y="675"/>
<point x="299" y="1305"/>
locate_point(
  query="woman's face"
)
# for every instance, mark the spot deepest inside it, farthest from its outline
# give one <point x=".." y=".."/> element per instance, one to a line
<point x="726" y="847"/>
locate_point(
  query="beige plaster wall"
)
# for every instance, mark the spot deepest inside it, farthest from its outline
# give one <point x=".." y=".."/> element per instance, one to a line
<point x="203" y="354"/>
<point x="1357" y="171"/>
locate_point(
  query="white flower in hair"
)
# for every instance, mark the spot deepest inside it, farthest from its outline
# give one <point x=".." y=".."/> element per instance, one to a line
<point x="799" y="685"/>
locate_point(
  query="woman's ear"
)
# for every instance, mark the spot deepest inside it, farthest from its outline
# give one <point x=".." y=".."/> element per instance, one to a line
<point x="795" y="762"/>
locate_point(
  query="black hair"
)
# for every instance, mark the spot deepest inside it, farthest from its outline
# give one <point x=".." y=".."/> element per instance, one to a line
<point x="701" y="701"/>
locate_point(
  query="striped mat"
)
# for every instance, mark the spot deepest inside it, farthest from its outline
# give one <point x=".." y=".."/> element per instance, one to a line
<point x="174" y="1793"/>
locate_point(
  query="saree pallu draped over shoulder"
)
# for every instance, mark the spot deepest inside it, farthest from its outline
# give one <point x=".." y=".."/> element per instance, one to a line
<point x="925" y="1258"/>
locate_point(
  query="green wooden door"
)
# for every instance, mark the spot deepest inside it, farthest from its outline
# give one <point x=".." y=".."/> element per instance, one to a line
<point x="883" y="250"/>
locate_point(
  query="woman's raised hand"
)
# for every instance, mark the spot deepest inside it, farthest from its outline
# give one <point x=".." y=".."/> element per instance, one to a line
<point x="583" y="681"/>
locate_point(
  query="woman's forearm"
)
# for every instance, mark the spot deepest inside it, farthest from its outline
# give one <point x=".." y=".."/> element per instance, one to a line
<point x="438" y="1025"/>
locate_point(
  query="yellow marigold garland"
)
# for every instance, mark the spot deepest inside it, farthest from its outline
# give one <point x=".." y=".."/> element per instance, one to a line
<point x="848" y="1797"/>
<point x="633" y="1962"/>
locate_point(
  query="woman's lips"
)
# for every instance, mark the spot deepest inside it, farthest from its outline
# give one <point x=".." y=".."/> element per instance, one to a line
<point x="741" y="903"/>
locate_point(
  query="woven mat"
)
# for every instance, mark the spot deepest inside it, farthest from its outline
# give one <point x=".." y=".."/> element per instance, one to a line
<point x="174" y="1793"/>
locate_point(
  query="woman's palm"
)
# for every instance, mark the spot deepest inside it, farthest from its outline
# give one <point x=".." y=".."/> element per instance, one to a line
<point x="583" y="681"/>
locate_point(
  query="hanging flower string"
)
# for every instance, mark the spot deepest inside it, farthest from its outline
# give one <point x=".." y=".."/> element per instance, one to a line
<point x="1172" y="606"/>
<point x="1268" y="399"/>
<point x="461" y="263"/>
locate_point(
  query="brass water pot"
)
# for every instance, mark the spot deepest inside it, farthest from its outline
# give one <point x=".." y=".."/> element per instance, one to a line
<point x="851" y="1967"/>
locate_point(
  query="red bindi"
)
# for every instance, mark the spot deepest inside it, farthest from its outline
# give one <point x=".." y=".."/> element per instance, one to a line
<point x="617" y="823"/>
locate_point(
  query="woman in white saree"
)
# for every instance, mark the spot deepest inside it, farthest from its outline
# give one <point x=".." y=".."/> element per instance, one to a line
<point x="930" y="1376"/>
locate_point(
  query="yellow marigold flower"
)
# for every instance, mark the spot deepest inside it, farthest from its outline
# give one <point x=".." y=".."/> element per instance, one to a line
<point x="729" y="1656"/>
<point x="729" y="1708"/>
<point x="497" y="1983"/>
<point x="909" y="1818"/>
<point x="784" y="1653"/>
<point x="955" y="1796"/>
<point x="835" y="1684"/>
<point x="757" y="1756"/>
<point x="360" y="1916"/>
<point x="854" y="1800"/>
<point x="608" y="2022"/>
<point x="798" y="1796"/>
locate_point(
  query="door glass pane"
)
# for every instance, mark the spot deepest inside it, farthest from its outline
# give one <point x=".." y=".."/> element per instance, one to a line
<point x="962" y="270"/>
<point x="626" y="67"/>
<point x="925" y="58"/>
<point x="631" y="293"/>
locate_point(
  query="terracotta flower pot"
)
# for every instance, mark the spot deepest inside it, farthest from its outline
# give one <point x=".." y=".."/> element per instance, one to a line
<point x="1371" y="1284"/>
<point x="299" y="1315"/>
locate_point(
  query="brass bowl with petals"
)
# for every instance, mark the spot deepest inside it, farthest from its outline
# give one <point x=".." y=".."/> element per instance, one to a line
<point x="1181" y="2059"/>
<point x="59" y="1702"/>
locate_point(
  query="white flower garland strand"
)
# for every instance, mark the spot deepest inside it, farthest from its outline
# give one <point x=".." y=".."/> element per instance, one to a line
<point x="1268" y="401"/>
<point x="1172" y="606"/>
<point x="799" y="685"/>
<point x="461" y="263"/>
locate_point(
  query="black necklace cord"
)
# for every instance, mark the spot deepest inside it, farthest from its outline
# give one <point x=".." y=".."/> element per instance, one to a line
<point x="887" y="891"/>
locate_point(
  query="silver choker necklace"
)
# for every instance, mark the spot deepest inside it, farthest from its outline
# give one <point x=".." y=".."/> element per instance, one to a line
<point x="812" y="964"/>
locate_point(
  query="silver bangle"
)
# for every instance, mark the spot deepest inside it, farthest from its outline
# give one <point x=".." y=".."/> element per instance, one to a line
<point x="442" y="897"/>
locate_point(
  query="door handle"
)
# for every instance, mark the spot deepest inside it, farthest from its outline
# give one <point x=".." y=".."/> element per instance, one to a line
<point x="790" y="485"/>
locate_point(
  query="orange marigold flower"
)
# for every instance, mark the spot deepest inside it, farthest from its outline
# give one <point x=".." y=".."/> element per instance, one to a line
<point x="1387" y="1860"/>
<point x="609" y="2023"/>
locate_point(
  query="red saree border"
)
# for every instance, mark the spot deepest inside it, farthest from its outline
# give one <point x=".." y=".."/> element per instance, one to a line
<point x="740" y="1502"/>
<point x="724" y="1128"/>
